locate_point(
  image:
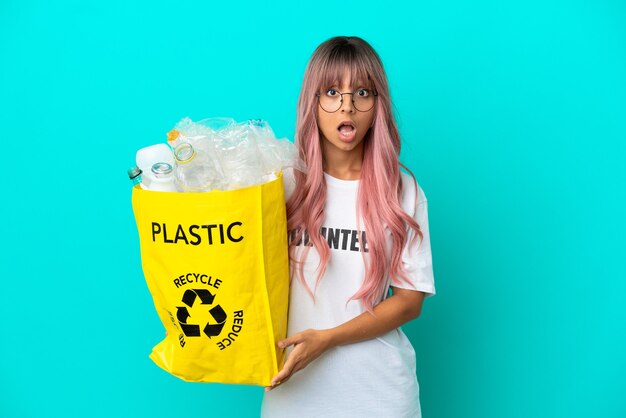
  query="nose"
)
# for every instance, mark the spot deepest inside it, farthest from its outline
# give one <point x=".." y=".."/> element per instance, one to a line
<point x="347" y="105"/>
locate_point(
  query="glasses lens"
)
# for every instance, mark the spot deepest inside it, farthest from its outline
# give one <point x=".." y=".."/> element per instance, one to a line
<point x="330" y="103"/>
<point x="363" y="100"/>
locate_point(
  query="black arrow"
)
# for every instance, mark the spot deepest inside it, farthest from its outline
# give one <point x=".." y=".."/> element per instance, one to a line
<point x="182" y="314"/>
<point x="205" y="296"/>
<point x="213" y="330"/>
<point x="191" y="330"/>
<point x="189" y="297"/>
<point x="218" y="313"/>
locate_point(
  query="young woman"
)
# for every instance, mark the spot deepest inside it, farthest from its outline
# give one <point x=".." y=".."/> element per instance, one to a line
<point x="358" y="230"/>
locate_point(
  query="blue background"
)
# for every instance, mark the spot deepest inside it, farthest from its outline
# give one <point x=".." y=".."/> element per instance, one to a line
<point x="513" y="119"/>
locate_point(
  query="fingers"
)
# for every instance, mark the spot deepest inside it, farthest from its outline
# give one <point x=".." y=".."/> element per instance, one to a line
<point x="294" y="339"/>
<point x="292" y="364"/>
<point x="284" y="373"/>
<point x="268" y="388"/>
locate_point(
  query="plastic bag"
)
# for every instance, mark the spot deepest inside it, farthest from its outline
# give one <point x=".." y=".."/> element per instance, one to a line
<point x="217" y="267"/>
<point x="243" y="154"/>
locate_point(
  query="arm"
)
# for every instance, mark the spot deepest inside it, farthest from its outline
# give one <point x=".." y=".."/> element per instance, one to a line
<point x="403" y="306"/>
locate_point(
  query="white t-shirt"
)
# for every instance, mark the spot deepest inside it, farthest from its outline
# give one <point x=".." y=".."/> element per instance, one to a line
<point x="373" y="378"/>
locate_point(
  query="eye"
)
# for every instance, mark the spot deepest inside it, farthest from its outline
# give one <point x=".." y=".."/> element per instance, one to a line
<point x="331" y="92"/>
<point x="363" y="92"/>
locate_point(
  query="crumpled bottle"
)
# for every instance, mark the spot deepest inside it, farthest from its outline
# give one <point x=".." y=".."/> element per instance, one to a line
<point x="195" y="170"/>
<point x="239" y="156"/>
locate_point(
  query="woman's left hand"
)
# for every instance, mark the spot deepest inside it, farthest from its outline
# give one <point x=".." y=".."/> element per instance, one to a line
<point x="308" y="345"/>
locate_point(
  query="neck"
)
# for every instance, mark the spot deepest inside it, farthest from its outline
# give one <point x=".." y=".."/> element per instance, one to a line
<point x="342" y="164"/>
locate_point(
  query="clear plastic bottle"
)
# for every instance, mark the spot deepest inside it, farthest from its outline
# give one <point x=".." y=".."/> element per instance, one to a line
<point x="147" y="157"/>
<point x="195" y="171"/>
<point x="239" y="154"/>
<point x="134" y="174"/>
<point x="162" y="177"/>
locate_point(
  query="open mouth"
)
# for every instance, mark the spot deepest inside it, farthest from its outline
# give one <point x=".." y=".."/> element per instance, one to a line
<point x="347" y="130"/>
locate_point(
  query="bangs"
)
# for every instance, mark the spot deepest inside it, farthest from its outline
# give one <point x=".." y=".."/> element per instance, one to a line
<point x="340" y="59"/>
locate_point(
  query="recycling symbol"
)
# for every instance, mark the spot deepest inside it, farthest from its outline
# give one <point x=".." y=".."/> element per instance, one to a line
<point x="206" y="298"/>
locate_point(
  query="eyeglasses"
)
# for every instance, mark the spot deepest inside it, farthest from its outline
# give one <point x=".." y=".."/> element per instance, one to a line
<point x="332" y="99"/>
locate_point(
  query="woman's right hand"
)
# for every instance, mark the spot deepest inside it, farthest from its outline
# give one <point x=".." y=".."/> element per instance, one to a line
<point x="307" y="346"/>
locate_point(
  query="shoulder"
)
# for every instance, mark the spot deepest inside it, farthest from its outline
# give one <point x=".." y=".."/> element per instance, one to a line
<point x="412" y="194"/>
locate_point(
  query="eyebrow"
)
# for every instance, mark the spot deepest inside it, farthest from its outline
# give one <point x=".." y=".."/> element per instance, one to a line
<point x="360" y="83"/>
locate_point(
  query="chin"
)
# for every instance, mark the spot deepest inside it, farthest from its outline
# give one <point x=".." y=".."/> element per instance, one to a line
<point x="346" y="146"/>
<point x="338" y="144"/>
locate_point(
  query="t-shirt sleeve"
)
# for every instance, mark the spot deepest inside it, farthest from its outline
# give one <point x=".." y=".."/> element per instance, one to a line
<point x="417" y="256"/>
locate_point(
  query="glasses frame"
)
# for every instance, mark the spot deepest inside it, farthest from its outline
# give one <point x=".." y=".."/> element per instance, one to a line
<point x="374" y="92"/>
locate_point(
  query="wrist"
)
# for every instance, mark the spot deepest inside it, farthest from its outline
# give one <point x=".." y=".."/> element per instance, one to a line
<point x="330" y="338"/>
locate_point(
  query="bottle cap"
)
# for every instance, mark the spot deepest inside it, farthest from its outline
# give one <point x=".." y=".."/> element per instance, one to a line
<point x="184" y="153"/>
<point x="256" y="122"/>
<point x="161" y="170"/>
<point x="172" y="135"/>
<point x="134" y="172"/>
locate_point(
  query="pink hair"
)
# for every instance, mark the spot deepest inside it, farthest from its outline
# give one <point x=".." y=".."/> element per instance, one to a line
<point x="380" y="171"/>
